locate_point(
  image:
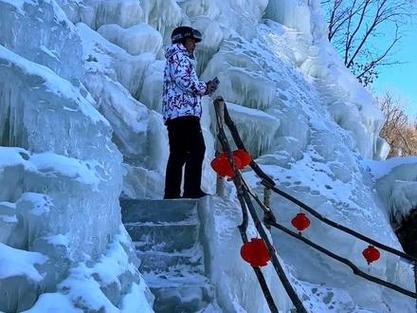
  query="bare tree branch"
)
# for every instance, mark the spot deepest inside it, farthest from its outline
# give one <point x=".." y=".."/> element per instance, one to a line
<point x="398" y="131"/>
<point x="355" y="25"/>
<point x="378" y="60"/>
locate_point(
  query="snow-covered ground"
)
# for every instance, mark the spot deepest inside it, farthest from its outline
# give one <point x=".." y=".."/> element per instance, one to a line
<point x="80" y="125"/>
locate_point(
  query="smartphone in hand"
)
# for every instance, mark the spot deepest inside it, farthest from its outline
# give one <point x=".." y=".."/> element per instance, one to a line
<point x="216" y="81"/>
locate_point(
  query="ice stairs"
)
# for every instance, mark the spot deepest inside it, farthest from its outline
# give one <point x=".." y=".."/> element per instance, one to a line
<point x="168" y="238"/>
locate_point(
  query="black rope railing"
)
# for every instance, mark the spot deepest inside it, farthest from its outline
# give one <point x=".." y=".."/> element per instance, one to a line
<point x="247" y="205"/>
<point x="354" y="268"/>
<point x="242" y="230"/>
<point x="269" y="219"/>
<point x="345" y="229"/>
<point x="333" y="255"/>
<point x="268" y="182"/>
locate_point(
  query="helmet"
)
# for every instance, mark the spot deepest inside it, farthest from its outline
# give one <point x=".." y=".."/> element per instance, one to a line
<point x="182" y="32"/>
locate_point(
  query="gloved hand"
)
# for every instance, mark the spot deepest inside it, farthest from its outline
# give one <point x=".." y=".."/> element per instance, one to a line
<point x="211" y="87"/>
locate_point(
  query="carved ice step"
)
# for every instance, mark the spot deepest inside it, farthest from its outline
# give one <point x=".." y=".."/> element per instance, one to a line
<point x="180" y="294"/>
<point x="159" y="210"/>
<point x="189" y="261"/>
<point x="166" y="234"/>
<point x="164" y="237"/>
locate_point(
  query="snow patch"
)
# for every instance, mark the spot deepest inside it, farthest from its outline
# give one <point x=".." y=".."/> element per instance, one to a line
<point x="15" y="262"/>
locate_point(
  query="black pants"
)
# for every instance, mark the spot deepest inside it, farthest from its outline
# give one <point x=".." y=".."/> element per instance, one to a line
<point x="186" y="147"/>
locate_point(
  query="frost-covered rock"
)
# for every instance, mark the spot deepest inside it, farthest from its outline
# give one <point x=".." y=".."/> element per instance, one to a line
<point x="102" y="57"/>
<point x="60" y="177"/>
<point x="396" y="182"/>
<point x="55" y="45"/>
<point x="296" y="14"/>
<point x="163" y="15"/>
<point x="20" y="280"/>
<point x="135" y="40"/>
<point x="252" y="122"/>
<point x="113" y="77"/>
<point x="96" y="13"/>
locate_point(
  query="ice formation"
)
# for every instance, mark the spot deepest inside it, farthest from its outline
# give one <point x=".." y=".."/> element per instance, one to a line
<point x="80" y="126"/>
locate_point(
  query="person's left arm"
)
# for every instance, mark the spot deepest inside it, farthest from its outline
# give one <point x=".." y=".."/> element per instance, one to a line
<point x="186" y="78"/>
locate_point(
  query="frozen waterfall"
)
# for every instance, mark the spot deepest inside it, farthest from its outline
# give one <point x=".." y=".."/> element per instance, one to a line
<point x="80" y="128"/>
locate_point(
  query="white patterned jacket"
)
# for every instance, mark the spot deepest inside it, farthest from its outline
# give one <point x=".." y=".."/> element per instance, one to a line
<point x="182" y="89"/>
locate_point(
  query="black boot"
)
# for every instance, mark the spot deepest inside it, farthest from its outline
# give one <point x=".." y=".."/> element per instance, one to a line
<point x="196" y="195"/>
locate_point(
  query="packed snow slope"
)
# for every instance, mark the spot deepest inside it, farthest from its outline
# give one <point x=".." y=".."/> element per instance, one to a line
<point x="80" y="126"/>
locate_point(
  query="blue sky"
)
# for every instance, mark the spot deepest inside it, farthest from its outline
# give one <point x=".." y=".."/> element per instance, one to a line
<point x="402" y="79"/>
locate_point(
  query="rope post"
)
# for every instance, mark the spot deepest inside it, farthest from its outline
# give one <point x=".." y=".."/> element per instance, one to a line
<point x="267" y="197"/>
<point x="219" y="107"/>
<point x="267" y="203"/>
<point x="415" y="280"/>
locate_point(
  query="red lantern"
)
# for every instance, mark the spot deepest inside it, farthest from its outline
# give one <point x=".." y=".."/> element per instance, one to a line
<point x="371" y="254"/>
<point x="255" y="252"/>
<point x="222" y="166"/>
<point x="300" y="221"/>
<point x="244" y="157"/>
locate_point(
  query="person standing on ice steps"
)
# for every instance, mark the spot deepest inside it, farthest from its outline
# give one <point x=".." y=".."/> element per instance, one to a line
<point x="181" y="109"/>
